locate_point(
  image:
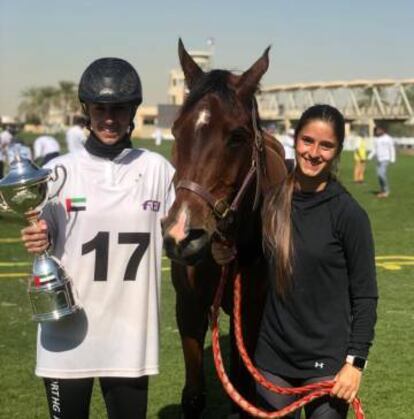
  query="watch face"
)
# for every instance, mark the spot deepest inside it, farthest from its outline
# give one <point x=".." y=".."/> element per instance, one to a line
<point x="359" y="362"/>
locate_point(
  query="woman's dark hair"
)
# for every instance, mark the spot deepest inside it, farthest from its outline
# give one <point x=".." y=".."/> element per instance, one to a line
<point x="277" y="207"/>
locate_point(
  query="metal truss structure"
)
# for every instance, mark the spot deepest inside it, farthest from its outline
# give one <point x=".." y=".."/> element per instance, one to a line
<point x="361" y="101"/>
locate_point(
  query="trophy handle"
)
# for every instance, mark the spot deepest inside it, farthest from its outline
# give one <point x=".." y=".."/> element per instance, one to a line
<point x="54" y="176"/>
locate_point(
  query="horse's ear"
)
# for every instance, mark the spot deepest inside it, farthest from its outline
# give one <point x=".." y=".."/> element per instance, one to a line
<point x="192" y="71"/>
<point x="250" y="79"/>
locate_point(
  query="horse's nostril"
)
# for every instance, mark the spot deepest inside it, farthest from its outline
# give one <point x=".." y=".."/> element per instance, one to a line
<point x="194" y="246"/>
<point x="195" y="234"/>
<point x="190" y="250"/>
<point x="169" y="245"/>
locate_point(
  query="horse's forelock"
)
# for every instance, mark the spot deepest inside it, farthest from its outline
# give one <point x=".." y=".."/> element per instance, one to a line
<point x="216" y="81"/>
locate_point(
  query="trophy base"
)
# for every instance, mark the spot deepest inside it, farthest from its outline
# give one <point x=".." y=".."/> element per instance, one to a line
<point x="51" y="304"/>
<point x="50" y="290"/>
<point x="54" y="315"/>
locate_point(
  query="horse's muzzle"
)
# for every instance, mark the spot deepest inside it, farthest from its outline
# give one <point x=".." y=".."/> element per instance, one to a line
<point x="190" y="250"/>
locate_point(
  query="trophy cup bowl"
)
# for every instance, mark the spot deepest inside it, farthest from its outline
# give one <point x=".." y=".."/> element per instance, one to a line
<point x="25" y="191"/>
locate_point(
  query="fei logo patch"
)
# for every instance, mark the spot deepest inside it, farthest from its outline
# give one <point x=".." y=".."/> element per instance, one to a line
<point x="75" y="204"/>
<point x="151" y="205"/>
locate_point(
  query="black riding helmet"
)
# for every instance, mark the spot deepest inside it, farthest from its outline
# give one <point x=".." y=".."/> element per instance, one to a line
<point x="110" y="80"/>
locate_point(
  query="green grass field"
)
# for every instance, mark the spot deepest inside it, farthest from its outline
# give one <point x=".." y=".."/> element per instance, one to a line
<point x="388" y="385"/>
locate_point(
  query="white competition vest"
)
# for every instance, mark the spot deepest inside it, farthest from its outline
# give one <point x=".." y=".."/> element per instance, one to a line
<point x="106" y="231"/>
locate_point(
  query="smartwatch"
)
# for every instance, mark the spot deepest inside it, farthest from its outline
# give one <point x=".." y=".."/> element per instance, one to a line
<point x="356" y="361"/>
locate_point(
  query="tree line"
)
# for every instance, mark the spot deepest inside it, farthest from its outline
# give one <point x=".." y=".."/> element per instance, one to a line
<point x="38" y="102"/>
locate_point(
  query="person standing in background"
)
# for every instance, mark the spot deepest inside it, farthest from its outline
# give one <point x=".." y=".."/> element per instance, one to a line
<point x="46" y="147"/>
<point x="5" y="139"/>
<point x="75" y="135"/>
<point x="158" y="136"/>
<point x="384" y="152"/>
<point x="288" y="143"/>
<point x="17" y="147"/>
<point x="360" y="158"/>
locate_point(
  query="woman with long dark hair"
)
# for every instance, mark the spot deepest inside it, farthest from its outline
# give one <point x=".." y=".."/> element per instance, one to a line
<point x="318" y="322"/>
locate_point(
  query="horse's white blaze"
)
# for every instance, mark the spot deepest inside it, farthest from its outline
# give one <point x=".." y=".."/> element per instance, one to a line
<point x="202" y="119"/>
<point x="179" y="231"/>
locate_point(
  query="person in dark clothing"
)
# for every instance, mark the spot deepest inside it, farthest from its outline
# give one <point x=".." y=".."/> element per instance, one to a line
<point x="319" y="318"/>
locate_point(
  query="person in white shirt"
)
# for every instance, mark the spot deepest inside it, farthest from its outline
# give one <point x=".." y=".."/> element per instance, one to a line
<point x="6" y="137"/>
<point x="158" y="136"/>
<point x="105" y="227"/>
<point x="75" y="135"/>
<point x="18" y="147"/>
<point x="288" y="143"/>
<point x="384" y="152"/>
<point x="46" y="148"/>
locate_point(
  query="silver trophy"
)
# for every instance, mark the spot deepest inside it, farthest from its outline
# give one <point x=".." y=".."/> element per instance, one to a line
<point x="25" y="191"/>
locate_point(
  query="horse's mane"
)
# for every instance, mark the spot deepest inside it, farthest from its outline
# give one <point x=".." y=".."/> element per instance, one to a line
<point x="214" y="81"/>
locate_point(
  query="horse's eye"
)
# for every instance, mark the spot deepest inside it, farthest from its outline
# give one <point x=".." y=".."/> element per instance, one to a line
<point x="237" y="138"/>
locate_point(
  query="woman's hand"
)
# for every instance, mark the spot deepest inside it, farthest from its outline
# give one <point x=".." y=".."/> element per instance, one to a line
<point x="35" y="237"/>
<point x="347" y="383"/>
<point x="222" y="253"/>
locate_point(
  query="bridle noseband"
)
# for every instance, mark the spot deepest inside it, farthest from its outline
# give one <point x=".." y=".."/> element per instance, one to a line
<point x="222" y="211"/>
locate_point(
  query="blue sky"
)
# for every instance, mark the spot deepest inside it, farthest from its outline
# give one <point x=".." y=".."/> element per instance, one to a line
<point x="44" y="41"/>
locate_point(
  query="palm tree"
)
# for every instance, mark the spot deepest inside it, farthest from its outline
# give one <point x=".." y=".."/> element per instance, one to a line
<point x="68" y="99"/>
<point x="37" y="102"/>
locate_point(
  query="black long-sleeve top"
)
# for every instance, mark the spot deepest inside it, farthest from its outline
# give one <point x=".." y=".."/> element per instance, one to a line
<point x="330" y="311"/>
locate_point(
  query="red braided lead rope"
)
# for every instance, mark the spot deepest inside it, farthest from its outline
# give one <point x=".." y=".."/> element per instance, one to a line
<point x="314" y="391"/>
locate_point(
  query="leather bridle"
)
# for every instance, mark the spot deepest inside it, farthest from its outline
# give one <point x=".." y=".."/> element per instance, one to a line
<point x="222" y="210"/>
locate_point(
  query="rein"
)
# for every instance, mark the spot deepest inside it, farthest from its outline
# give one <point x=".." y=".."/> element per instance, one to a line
<point x="310" y="392"/>
<point x="220" y="207"/>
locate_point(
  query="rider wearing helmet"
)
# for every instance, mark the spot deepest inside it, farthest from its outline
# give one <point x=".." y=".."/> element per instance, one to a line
<point x="110" y="87"/>
<point x="105" y="228"/>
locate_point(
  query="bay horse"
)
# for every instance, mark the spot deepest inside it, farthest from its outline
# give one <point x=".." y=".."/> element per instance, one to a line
<point x="224" y="165"/>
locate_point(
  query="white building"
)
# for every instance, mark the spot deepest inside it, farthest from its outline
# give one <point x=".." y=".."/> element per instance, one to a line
<point x="176" y="85"/>
<point x="150" y="119"/>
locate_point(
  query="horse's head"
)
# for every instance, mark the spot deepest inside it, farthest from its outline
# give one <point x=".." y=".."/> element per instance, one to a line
<point x="217" y="142"/>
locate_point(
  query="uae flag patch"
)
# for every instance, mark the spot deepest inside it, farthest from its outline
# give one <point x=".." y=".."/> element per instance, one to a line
<point x="75" y="204"/>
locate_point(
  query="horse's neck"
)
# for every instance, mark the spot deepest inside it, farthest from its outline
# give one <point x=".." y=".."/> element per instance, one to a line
<point x="273" y="172"/>
<point x="273" y="165"/>
<point x="249" y="219"/>
<point x="271" y="143"/>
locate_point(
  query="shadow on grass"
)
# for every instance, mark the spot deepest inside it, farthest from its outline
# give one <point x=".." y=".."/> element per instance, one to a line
<point x="172" y="411"/>
<point x="217" y="403"/>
